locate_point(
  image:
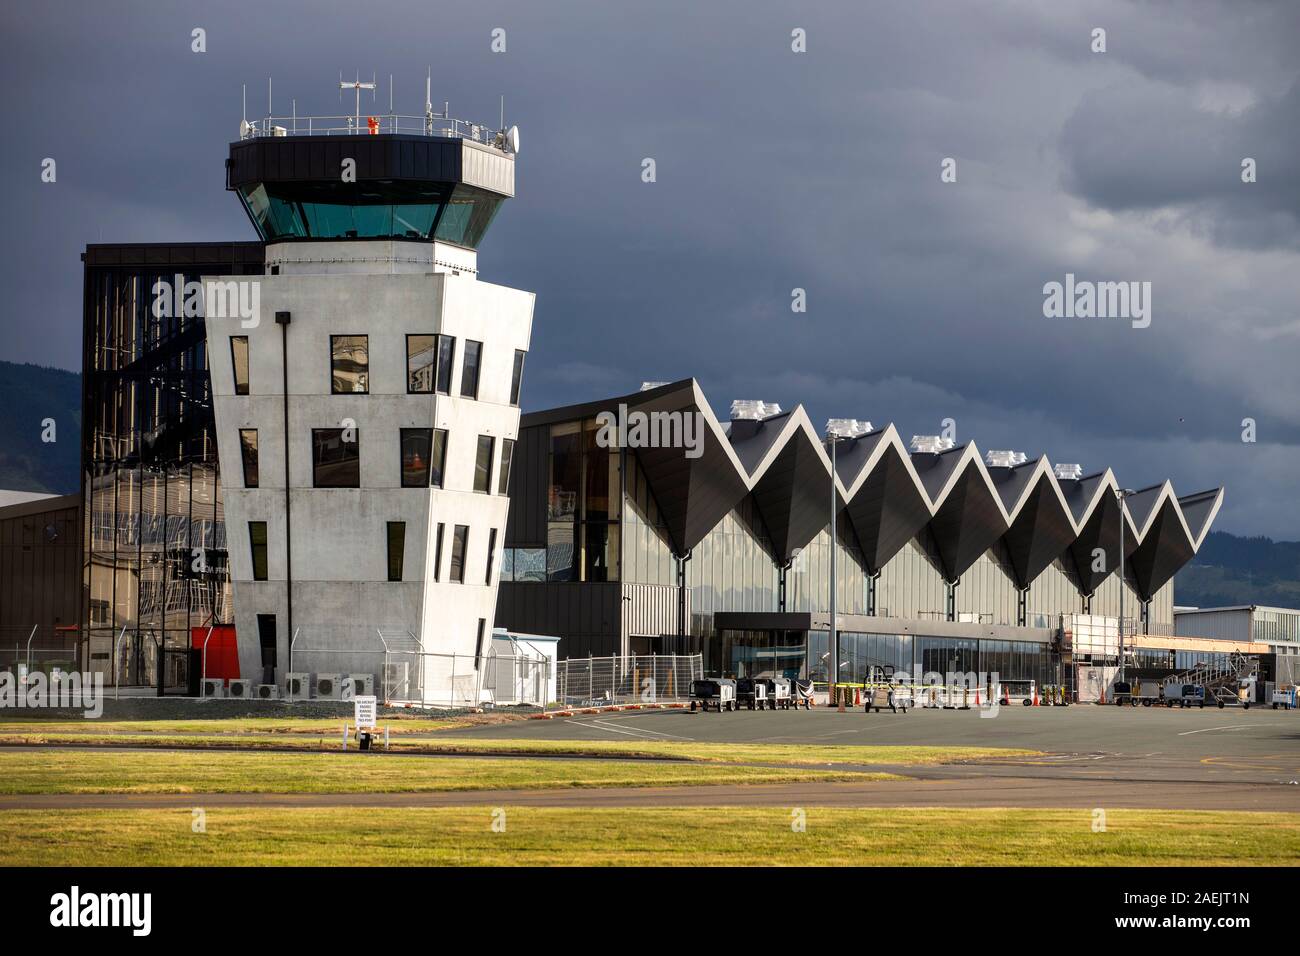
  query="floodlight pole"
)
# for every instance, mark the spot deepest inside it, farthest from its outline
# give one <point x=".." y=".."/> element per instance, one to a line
<point x="1120" y="495"/>
<point x="833" y="635"/>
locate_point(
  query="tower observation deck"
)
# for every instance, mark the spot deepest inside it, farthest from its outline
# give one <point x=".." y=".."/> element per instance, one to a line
<point x="424" y="178"/>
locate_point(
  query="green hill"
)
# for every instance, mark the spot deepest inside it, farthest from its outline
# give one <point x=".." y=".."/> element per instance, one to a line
<point x="29" y="394"/>
<point x="1231" y="570"/>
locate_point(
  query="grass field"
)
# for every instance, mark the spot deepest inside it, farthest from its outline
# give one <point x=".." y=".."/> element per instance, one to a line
<point x="80" y="771"/>
<point x="643" y="837"/>
<point x="218" y="726"/>
<point x="321" y="739"/>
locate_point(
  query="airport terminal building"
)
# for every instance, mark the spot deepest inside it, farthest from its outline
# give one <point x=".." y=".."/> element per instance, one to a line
<point x="946" y="558"/>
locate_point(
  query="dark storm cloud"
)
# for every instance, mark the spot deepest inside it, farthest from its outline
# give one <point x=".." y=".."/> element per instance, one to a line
<point x="775" y="171"/>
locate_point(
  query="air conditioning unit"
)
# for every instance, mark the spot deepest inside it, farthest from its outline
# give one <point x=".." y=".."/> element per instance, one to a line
<point x="297" y="686"/>
<point x="329" y="686"/>
<point x="240" y="688"/>
<point x="214" y="687"/>
<point x="363" y="685"/>
<point x="266" y="692"/>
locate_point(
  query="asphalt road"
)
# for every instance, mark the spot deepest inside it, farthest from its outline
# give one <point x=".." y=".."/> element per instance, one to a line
<point x="1092" y="757"/>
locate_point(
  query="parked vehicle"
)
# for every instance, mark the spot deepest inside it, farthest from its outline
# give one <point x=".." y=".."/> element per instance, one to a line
<point x="1147" y="693"/>
<point x="1184" y="695"/>
<point x="752" y="693"/>
<point x="716" y="692"/>
<point x="1122" y="693"/>
<point x="778" y="692"/>
<point x="891" y="696"/>
<point x="1011" y="691"/>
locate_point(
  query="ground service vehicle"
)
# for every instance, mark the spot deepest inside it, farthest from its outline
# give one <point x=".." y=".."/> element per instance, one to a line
<point x="1184" y="695"/>
<point x="778" y="692"/>
<point x="752" y="693"/>
<point x="717" y="692"/>
<point x="1010" y="691"/>
<point x="892" y="697"/>
<point x="1122" y="693"/>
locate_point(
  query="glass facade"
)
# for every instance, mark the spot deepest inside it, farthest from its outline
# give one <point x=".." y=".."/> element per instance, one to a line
<point x="874" y="657"/>
<point x="154" y="543"/>
<point x="323" y="209"/>
<point x="583" y="506"/>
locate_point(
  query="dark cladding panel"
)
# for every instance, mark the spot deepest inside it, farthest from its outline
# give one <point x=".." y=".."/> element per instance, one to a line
<point x="529" y="480"/>
<point x="387" y="157"/>
<point x="585" y="616"/>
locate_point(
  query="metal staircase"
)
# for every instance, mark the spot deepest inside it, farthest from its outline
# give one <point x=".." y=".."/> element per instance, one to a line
<point x="1220" y="678"/>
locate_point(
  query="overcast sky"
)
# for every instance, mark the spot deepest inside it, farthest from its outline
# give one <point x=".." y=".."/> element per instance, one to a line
<point x="775" y="170"/>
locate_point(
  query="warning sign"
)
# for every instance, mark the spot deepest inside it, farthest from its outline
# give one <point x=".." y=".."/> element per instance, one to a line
<point x="364" y="710"/>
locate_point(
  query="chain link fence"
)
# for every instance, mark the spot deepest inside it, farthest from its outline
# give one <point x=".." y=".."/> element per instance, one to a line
<point x="634" y="679"/>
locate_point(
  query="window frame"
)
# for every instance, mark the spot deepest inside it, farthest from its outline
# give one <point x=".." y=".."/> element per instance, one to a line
<point x="503" y="469"/>
<point x="455" y="570"/>
<point x="437" y="553"/>
<point x="265" y="549"/>
<point x="334" y="390"/>
<point x="478" y="463"/>
<point x="400" y="527"/>
<point x="464" y="368"/>
<point x="402" y="434"/>
<point x="433" y="364"/>
<point x="315" y="465"/>
<point x="257" y="457"/>
<point x="517" y="377"/>
<point x="445" y="435"/>
<point x="439" y="387"/>
<point x="240" y="388"/>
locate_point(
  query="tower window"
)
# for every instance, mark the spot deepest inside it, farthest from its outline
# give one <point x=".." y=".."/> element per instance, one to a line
<point x="469" y="369"/>
<point x="492" y="547"/>
<point x="517" y="377"/>
<point x="437" y="553"/>
<point x="459" y="545"/>
<point x="503" y="476"/>
<point x="446" y="358"/>
<point x="483" y="464"/>
<point x="416" y="445"/>
<point x="257" y="542"/>
<point x="239" y="362"/>
<point x="350" y="364"/>
<point x="248" y="452"/>
<point x="438" y="457"/>
<point x="396" y="549"/>
<point x="421" y="351"/>
<point x="336" y="458"/>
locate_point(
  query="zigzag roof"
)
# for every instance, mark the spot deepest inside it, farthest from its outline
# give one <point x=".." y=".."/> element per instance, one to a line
<point x="951" y="502"/>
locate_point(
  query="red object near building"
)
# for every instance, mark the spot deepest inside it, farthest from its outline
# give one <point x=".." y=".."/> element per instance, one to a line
<point x="223" y="652"/>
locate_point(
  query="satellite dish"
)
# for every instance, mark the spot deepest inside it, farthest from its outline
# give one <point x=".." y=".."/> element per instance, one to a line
<point x="512" y="139"/>
<point x="245" y="127"/>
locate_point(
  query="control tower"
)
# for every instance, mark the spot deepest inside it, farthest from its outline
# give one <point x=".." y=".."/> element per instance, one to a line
<point x="366" y="407"/>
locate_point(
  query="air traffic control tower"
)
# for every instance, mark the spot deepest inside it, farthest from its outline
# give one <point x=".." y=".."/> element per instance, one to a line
<point x="366" y="412"/>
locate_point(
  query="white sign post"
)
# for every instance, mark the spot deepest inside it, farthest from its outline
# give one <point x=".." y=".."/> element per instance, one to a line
<point x="364" y="711"/>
